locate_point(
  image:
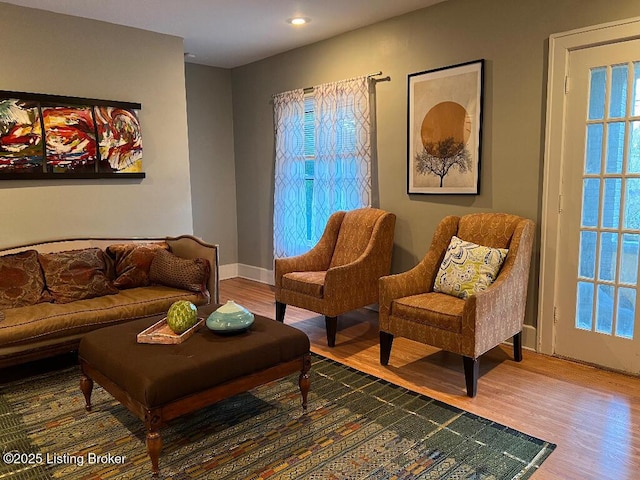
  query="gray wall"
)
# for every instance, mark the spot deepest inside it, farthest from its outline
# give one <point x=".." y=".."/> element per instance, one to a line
<point x="48" y="53"/>
<point x="212" y="167"/>
<point x="511" y="35"/>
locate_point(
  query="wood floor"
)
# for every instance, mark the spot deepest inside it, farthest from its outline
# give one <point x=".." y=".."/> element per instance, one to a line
<point x="592" y="415"/>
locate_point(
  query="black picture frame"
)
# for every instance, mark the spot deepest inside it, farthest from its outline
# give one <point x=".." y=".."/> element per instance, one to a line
<point x="37" y="163"/>
<point x="444" y="129"/>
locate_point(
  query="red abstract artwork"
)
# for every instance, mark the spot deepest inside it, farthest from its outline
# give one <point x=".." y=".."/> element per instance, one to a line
<point x="20" y="137"/>
<point x="53" y="136"/>
<point x="119" y="139"/>
<point x="70" y="138"/>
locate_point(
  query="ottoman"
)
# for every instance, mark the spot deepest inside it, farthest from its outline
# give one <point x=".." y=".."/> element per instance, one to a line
<point x="158" y="383"/>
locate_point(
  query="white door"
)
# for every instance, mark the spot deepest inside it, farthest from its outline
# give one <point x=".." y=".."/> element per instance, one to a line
<point x="597" y="305"/>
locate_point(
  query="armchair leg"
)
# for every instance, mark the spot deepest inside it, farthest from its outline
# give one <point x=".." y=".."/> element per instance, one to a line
<point x="332" y="327"/>
<point x="386" y="341"/>
<point x="280" y="308"/>
<point x="471" y="371"/>
<point x="517" y="346"/>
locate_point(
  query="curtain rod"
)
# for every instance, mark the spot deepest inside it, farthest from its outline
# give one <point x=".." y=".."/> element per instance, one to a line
<point x="371" y="75"/>
<point x="377" y="74"/>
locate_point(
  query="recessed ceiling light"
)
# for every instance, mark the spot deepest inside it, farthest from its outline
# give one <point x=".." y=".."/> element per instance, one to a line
<point x="298" y="20"/>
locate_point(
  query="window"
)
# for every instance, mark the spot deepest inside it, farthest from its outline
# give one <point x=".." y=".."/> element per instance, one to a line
<point x="323" y="160"/>
<point x="309" y="161"/>
<point x="344" y="157"/>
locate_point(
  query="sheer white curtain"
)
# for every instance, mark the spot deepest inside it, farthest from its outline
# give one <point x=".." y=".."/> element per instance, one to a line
<point x="289" y="209"/>
<point x="342" y="149"/>
<point x="338" y="146"/>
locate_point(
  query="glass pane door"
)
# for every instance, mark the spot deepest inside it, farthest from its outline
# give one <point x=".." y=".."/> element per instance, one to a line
<point x="610" y="226"/>
<point x="597" y="317"/>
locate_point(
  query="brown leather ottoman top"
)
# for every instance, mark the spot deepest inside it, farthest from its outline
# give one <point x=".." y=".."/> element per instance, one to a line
<point x="157" y="374"/>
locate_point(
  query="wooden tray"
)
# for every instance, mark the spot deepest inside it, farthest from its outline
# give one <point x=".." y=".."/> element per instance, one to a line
<point x="161" y="333"/>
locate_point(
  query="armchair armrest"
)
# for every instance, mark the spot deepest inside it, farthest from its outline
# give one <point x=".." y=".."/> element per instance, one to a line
<point x="411" y="282"/>
<point x="492" y="316"/>
<point x="421" y="277"/>
<point x="316" y="259"/>
<point x="363" y="271"/>
<point x="373" y="263"/>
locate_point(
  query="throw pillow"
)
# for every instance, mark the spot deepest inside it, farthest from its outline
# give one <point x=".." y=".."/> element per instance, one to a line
<point x="132" y="263"/>
<point x="468" y="268"/>
<point x="76" y="274"/>
<point x="21" y="280"/>
<point x="173" y="271"/>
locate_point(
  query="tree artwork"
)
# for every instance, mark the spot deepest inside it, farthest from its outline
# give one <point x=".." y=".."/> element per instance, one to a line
<point x="445" y="132"/>
<point x="439" y="157"/>
<point x="444" y="121"/>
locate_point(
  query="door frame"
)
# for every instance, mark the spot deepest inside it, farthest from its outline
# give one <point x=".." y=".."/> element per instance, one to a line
<point x="560" y="46"/>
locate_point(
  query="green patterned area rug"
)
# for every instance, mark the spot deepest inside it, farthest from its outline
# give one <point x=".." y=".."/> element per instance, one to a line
<point x="357" y="427"/>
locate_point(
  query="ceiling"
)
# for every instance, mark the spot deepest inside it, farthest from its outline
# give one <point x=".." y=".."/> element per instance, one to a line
<point x="230" y="33"/>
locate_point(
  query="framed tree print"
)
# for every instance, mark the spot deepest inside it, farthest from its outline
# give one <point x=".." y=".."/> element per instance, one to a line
<point x="444" y="130"/>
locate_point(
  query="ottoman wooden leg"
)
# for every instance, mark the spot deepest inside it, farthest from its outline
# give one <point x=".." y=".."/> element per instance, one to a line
<point x="86" y="385"/>
<point x="154" y="446"/>
<point x="303" y="380"/>
<point x="154" y="441"/>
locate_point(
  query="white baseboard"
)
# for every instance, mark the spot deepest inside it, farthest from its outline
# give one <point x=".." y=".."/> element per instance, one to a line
<point x="229" y="270"/>
<point x="257" y="274"/>
<point x="529" y="338"/>
<point x="233" y="270"/>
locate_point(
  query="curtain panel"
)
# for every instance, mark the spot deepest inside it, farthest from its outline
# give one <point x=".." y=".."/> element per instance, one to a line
<point x="343" y="149"/>
<point x="289" y="209"/>
<point x="342" y="160"/>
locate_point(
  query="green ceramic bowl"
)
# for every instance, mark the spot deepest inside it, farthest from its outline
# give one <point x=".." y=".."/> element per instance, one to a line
<point x="230" y="318"/>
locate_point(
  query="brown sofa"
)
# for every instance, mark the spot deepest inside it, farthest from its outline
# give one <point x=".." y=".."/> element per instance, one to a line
<point x="51" y="293"/>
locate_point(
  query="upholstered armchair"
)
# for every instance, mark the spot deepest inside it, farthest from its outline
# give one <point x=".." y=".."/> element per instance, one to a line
<point x="341" y="272"/>
<point x="410" y="308"/>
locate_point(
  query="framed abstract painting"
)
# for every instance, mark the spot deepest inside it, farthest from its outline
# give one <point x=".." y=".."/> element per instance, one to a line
<point x="70" y="141"/>
<point x="21" y="143"/>
<point x="119" y="139"/>
<point x="444" y="130"/>
<point x="49" y="136"/>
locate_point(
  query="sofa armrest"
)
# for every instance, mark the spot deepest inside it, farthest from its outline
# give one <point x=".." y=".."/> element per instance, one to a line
<point x="189" y="247"/>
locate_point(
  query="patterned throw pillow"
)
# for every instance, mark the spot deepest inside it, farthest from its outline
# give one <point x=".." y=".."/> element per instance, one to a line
<point x="21" y="280"/>
<point x="468" y="268"/>
<point x="173" y="271"/>
<point x="132" y="263"/>
<point x="76" y="274"/>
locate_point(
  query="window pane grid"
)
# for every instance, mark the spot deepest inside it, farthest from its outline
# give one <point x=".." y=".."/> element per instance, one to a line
<point x="609" y="233"/>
